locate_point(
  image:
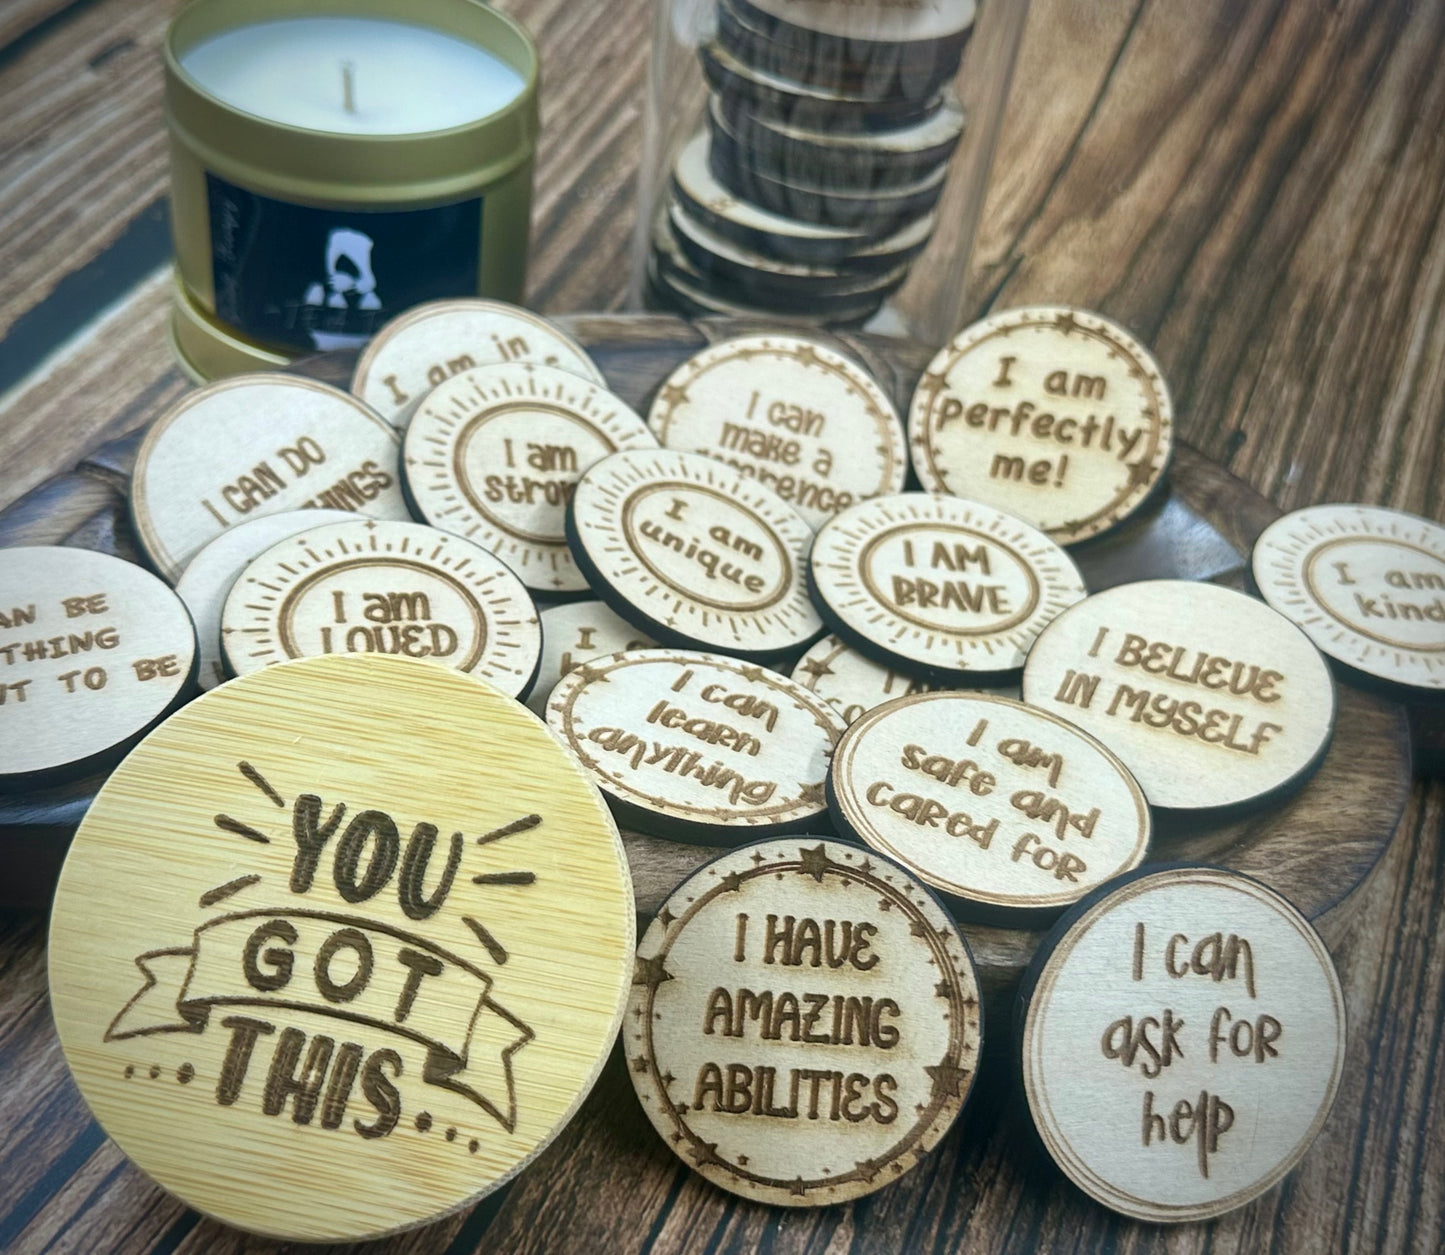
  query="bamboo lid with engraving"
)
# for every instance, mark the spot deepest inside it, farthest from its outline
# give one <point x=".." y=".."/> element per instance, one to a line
<point x="386" y="961"/>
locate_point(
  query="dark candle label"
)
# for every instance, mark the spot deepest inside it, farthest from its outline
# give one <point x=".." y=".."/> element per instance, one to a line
<point x="313" y="279"/>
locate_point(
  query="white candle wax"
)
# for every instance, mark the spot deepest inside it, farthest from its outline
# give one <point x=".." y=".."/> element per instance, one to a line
<point x="352" y="75"/>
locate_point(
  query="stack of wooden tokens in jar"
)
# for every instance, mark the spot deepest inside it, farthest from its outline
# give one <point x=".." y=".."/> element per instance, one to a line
<point x="899" y="706"/>
<point x="827" y="142"/>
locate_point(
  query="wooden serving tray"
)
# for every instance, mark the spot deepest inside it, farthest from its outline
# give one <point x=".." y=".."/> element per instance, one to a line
<point x="1316" y="847"/>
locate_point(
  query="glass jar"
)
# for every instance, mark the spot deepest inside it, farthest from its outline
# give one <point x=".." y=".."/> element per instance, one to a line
<point x="820" y="161"/>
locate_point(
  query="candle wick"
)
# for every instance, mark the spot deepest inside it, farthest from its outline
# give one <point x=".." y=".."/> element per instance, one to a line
<point x="348" y="86"/>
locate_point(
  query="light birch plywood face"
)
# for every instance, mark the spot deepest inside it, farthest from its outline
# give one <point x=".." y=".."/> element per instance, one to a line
<point x="804" y="1023"/>
<point x="696" y="743"/>
<point x="423" y="348"/>
<point x="1366" y="585"/>
<point x="387" y="958"/>
<point x="384" y="588"/>
<point x="93" y="651"/>
<point x="1183" y="1044"/>
<point x="989" y="800"/>
<point x="209" y="575"/>
<point x="1056" y="415"/>
<point x="938" y="584"/>
<point x="1210" y="697"/>
<point x="693" y="552"/>
<point x="254" y="445"/>
<point x="493" y="455"/>
<point x="577" y="632"/>
<point x="850" y="682"/>
<point x="794" y="415"/>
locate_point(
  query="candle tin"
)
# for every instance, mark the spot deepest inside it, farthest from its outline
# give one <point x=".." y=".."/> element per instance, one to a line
<point x="291" y="241"/>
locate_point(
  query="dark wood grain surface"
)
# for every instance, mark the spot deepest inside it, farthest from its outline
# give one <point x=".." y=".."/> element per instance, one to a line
<point x="1254" y="186"/>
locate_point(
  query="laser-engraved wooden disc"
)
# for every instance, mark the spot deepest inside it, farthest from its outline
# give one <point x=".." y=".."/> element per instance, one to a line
<point x="1056" y="415"/>
<point x="341" y="946"/>
<point x="850" y="682"/>
<point x="384" y="588"/>
<point x="1210" y="697"/>
<point x="696" y="745"/>
<point x="208" y="576"/>
<point x="939" y="585"/>
<point x="493" y="455"/>
<point x="253" y="445"/>
<point x="987" y="799"/>
<point x="576" y="632"/>
<point x="778" y="236"/>
<point x="1183" y="1036"/>
<point x="93" y="651"/>
<point x="1367" y="585"/>
<point x="796" y="416"/>
<point x="694" y="553"/>
<point x="423" y="348"/>
<point x="804" y="1023"/>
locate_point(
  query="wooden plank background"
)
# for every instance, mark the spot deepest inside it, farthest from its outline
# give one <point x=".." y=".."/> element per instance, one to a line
<point x="1255" y="186"/>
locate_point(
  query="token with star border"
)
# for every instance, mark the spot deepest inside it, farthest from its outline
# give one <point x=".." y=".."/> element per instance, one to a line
<point x="369" y="587"/>
<point x="804" y="1023"/>
<point x="694" y="553"/>
<point x="1056" y="415"/>
<point x="936" y="585"/>
<point x="754" y="399"/>
<point x="494" y="453"/>
<point x="1366" y="584"/>
<point x="697" y="746"/>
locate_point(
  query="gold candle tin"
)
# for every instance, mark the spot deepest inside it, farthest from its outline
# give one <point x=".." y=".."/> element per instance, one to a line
<point x="262" y="212"/>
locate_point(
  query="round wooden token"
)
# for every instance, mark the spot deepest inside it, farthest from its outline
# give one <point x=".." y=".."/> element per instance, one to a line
<point x="253" y="445"/>
<point x="873" y="159"/>
<point x="576" y="632"/>
<point x="93" y="651"/>
<point x="427" y="345"/>
<point x="806" y="421"/>
<point x="865" y="21"/>
<point x="693" y="552"/>
<point x="804" y="1023"/>
<point x="938" y="584"/>
<point x="1057" y="415"/>
<point x="384" y="588"/>
<point x="857" y="62"/>
<point x="1182" y="1040"/>
<point x="757" y="276"/>
<point x="684" y="288"/>
<point x="772" y="95"/>
<point x="697" y="745"/>
<point x="850" y="682"/>
<point x="1210" y="697"/>
<point x="868" y="209"/>
<point x="1366" y="585"/>
<point x="990" y="800"/>
<point x="494" y="453"/>
<point x="209" y="575"/>
<point x="774" y="235"/>
<point x="387" y="958"/>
